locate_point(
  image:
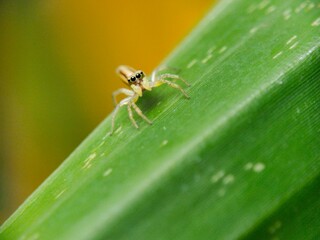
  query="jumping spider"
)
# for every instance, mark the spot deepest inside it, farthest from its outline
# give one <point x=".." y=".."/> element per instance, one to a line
<point x="139" y="82"/>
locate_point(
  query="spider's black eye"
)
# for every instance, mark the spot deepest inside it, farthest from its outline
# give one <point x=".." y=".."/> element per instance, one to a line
<point x="132" y="79"/>
<point x="138" y="75"/>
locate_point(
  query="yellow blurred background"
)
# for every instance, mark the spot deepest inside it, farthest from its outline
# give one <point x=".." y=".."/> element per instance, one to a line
<point x="58" y="60"/>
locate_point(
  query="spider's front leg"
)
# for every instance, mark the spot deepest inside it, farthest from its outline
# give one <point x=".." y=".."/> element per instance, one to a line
<point x="158" y="79"/>
<point x="127" y="101"/>
<point x="131" y="115"/>
<point x="162" y="80"/>
<point x="121" y="91"/>
<point x="123" y="102"/>
<point x="130" y="102"/>
<point x="174" y="76"/>
<point x="154" y="74"/>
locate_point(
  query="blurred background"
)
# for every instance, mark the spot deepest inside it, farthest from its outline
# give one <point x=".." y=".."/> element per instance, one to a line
<point x="57" y="72"/>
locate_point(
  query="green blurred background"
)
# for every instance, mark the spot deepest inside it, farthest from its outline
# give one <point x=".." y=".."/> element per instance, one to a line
<point x="57" y="71"/>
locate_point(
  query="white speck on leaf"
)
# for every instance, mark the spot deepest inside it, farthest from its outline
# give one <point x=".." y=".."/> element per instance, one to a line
<point x="206" y="59"/>
<point x="293" y="45"/>
<point x="254" y="29"/>
<point x="107" y="172"/>
<point x="277" y="55"/>
<point x="258" y="167"/>
<point x="118" y="130"/>
<point x="224" y="48"/>
<point x="215" y="178"/>
<point x="280" y="82"/>
<point x="311" y="6"/>
<point x="263" y="4"/>
<point x="300" y="7"/>
<point x="193" y="62"/>
<point x="101" y="144"/>
<point x="298" y="110"/>
<point x="60" y="193"/>
<point x="228" y="179"/>
<point x="248" y="166"/>
<point x="87" y="162"/>
<point x="270" y="9"/>
<point x="287" y="14"/>
<point x="316" y="22"/>
<point x="107" y="135"/>
<point x="165" y="142"/>
<point x="291" y="39"/>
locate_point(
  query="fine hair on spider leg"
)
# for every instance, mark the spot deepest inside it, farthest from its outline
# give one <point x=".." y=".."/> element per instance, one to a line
<point x="131" y="116"/>
<point x="173" y="85"/>
<point x="174" y="76"/>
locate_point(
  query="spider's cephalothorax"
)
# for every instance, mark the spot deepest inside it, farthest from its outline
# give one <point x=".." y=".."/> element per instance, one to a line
<point x="135" y="79"/>
<point x="138" y="82"/>
<point x="130" y="76"/>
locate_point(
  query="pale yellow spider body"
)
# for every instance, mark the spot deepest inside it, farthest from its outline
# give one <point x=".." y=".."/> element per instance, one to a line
<point x="138" y="82"/>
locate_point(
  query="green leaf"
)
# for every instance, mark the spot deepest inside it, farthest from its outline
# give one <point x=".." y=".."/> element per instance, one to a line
<point x="239" y="160"/>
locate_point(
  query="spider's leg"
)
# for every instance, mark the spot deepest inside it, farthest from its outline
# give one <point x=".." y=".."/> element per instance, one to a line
<point x="119" y="91"/>
<point x="161" y="68"/>
<point x="173" y="76"/>
<point x="173" y="85"/>
<point x="139" y="112"/>
<point x="123" y="102"/>
<point x="131" y="116"/>
<point x="153" y="76"/>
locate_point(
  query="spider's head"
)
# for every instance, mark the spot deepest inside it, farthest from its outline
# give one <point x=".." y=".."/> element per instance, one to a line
<point x="133" y="78"/>
<point x="136" y="78"/>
